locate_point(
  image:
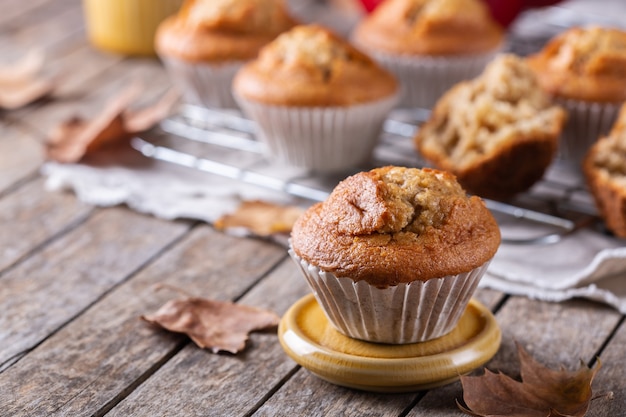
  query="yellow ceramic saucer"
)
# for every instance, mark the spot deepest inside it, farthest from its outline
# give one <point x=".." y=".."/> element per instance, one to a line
<point x="309" y="339"/>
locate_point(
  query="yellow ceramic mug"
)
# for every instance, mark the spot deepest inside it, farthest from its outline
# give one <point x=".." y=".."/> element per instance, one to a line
<point x="126" y="26"/>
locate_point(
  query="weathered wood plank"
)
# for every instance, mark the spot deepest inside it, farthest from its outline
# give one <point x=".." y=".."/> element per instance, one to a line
<point x="551" y="332"/>
<point x="307" y="395"/>
<point x="96" y="358"/>
<point x="201" y="383"/>
<point x="611" y="378"/>
<point x="30" y="216"/>
<point x="15" y="9"/>
<point x="56" y="23"/>
<point x="20" y="156"/>
<point x="48" y="289"/>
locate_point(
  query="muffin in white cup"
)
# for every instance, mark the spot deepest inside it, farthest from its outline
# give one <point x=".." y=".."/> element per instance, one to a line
<point x="430" y="45"/>
<point x="583" y="69"/>
<point x="319" y="103"/>
<point x="204" y="45"/>
<point x="395" y="254"/>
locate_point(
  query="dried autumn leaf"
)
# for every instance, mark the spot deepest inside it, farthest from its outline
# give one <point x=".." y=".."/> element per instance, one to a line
<point x="261" y="218"/>
<point x="74" y="138"/>
<point x="20" y="83"/>
<point x="543" y="392"/>
<point x="217" y="325"/>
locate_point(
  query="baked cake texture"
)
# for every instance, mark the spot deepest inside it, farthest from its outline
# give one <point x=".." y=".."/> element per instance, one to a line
<point x="497" y="133"/>
<point x="222" y="30"/>
<point x="205" y="44"/>
<point x="311" y="66"/>
<point x="394" y="254"/>
<point x="395" y="225"/>
<point x="605" y="171"/>
<point x="430" y="27"/>
<point x="584" y="69"/>
<point x="586" y="64"/>
<point x="318" y="102"/>
<point x="430" y="45"/>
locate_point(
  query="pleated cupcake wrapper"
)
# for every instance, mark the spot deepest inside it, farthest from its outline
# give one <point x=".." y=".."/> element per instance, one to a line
<point x="586" y="123"/>
<point x="320" y="139"/>
<point x="404" y="313"/>
<point x="204" y="84"/>
<point x="425" y="79"/>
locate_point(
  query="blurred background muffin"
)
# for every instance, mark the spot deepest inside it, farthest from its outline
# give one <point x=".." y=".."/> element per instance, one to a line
<point x="319" y="102"/>
<point x="430" y="45"/>
<point x="394" y="254"/>
<point x="584" y="69"/>
<point x="205" y="44"/>
<point x="497" y="133"/>
<point x="605" y="171"/>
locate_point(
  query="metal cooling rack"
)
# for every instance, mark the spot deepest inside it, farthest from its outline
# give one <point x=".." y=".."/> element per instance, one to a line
<point x="223" y="143"/>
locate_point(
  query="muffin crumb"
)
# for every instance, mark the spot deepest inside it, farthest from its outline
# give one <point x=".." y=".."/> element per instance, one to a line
<point x="497" y="107"/>
<point x="482" y="119"/>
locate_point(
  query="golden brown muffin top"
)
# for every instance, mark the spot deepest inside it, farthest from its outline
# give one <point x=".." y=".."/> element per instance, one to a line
<point x="430" y="27"/>
<point x="586" y="64"/>
<point x="476" y="118"/>
<point x="311" y="66"/>
<point x="222" y="30"/>
<point x="396" y="225"/>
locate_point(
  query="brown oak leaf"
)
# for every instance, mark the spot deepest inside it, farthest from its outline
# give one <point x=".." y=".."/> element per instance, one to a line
<point x="261" y="218"/>
<point x="76" y="137"/>
<point x="543" y="392"/>
<point x="21" y="82"/>
<point x="216" y="325"/>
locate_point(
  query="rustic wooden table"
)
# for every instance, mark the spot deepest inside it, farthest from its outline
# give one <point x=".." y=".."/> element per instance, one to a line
<point x="74" y="280"/>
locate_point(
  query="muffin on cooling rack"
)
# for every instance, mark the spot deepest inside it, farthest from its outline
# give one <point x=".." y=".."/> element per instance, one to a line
<point x="394" y="254"/>
<point x="605" y="170"/>
<point x="430" y="45"/>
<point x="204" y="45"/>
<point x="497" y="133"/>
<point x="584" y="69"/>
<point x="319" y="103"/>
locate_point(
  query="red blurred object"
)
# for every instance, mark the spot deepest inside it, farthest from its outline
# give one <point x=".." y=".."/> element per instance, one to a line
<point x="370" y="5"/>
<point x="504" y="11"/>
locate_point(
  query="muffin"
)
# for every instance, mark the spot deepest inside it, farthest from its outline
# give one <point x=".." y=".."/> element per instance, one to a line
<point x="584" y="69"/>
<point x="605" y="171"/>
<point x="497" y="133"/>
<point x="319" y="102"/>
<point x="204" y="45"/>
<point x="430" y="45"/>
<point x="394" y="254"/>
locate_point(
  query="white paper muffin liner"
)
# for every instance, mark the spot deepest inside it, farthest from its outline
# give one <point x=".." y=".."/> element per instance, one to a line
<point x="319" y="139"/>
<point x="425" y="79"/>
<point x="586" y="123"/>
<point x="204" y="84"/>
<point x="404" y="313"/>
